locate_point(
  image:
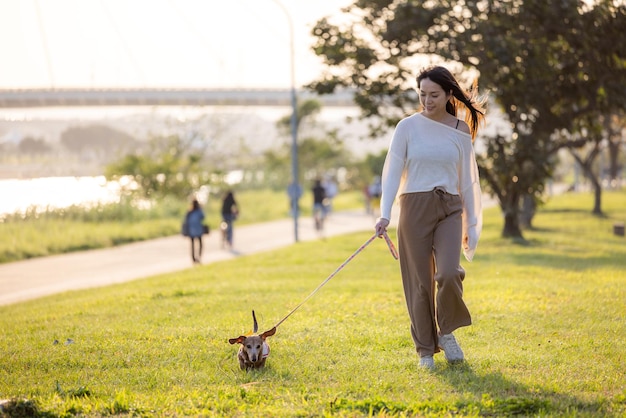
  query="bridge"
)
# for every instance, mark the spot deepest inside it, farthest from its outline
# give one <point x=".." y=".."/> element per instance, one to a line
<point x="70" y="97"/>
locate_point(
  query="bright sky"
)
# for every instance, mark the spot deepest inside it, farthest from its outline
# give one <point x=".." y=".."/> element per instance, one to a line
<point x="157" y="43"/>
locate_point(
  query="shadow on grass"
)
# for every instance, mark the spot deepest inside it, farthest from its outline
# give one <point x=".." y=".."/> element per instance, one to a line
<point x="566" y="210"/>
<point x="563" y="255"/>
<point x="573" y="262"/>
<point x="495" y="395"/>
<point x="585" y="212"/>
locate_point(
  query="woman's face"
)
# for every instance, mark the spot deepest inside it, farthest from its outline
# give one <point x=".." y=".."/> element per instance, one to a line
<point x="433" y="98"/>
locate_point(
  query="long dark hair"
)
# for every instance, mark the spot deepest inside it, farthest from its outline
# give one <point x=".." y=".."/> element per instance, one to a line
<point x="475" y="106"/>
<point x="229" y="198"/>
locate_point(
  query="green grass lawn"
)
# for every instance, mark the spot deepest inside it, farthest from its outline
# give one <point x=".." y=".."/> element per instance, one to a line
<point x="548" y="337"/>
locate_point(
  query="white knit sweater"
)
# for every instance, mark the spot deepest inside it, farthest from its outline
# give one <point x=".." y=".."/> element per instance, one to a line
<point x="425" y="154"/>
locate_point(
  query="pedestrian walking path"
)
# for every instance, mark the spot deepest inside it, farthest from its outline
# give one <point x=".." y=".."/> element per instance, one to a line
<point x="30" y="279"/>
<point x="38" y="277"/>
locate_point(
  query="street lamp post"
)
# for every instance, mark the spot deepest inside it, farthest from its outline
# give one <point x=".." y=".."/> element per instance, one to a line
<point x="294" y="187"/>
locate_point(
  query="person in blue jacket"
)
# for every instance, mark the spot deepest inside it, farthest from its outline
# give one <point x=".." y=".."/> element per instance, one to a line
<point x="194" y="229"/>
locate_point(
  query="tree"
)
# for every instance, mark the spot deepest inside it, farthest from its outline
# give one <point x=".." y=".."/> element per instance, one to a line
<point x="521" y="50"/>
<point x="171" y="167"/>
<point x="30" y="145"/>
<point x="597" y="74"/>
<point x="317" y="157"/>
<point x="97" y="140"/>
<point x="320" y="151"/>
<point x="590" y="137"/>
<point x="615" y="125"/>
<point x="321" y="156"/>
<point x="306" y="112"/>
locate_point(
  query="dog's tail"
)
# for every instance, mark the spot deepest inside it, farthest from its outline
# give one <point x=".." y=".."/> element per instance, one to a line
<point x="256" y="325"/>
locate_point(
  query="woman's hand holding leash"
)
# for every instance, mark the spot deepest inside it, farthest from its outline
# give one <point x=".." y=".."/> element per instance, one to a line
<point x="381" y="226"/>
<point x="381" y="232"/>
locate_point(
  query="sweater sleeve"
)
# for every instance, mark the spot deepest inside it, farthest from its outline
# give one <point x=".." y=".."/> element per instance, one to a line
<point x="469" y="189"/>
<point x="393" y="170"/>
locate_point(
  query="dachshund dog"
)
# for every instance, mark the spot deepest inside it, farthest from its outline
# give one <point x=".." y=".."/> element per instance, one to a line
<point x="254" y="349"/>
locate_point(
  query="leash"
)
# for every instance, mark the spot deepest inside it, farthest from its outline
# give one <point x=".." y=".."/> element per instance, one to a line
<point x="392" y="249"/>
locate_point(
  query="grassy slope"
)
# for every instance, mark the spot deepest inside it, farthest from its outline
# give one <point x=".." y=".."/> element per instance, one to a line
<point x="548" y="333"/>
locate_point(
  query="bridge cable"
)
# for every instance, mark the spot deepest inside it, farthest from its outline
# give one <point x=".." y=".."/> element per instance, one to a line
<point x="44" y="43"/>
<point x="196" y="33"/>
<point x="124" y="43"/>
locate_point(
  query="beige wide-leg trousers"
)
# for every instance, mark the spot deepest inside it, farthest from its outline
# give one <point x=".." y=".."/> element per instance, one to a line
<point x="429" y="246"/>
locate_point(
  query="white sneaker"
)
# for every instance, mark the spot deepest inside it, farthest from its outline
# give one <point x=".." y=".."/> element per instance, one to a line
<point x="427" y="362"/>
<point x="451" y="348"/>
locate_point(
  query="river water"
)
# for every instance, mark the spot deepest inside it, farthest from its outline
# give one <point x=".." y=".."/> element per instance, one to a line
<point x="19" y="195"/>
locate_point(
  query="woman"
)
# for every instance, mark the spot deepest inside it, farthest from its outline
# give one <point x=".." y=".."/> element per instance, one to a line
<point x="431" y="166"/>
<point x="230" y="211"/>
<point x="194" y="229"/>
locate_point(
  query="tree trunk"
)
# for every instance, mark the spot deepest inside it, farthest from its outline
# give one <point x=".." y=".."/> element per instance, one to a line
<point x="527" y="212"/>
<point x="597" y="188"/>
<point x="615" y="141"/>
<point x="511" y="227"/>
<point x="597" y="198"/>
<point x="614" y="167"/>
<point x="508" y="197"/>
<point x="587" y="167"/>
<point x="510" y="209"/>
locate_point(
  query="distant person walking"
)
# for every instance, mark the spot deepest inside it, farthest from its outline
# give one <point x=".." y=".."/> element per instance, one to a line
<point x="294" y="190"/>
<point x="331" y="189"/>
<point x="193" y="228"/>
<point x="374" y="191"/>
<point x="230" y="212"/>
<point x="431" y="166"/>
<point x="319" y="209"/>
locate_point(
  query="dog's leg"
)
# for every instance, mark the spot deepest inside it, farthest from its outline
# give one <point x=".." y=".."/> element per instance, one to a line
<point x="242" y="360"/>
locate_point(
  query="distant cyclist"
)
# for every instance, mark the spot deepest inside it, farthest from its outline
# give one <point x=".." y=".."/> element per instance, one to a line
<point x="319" y="209"/>
<point x="230" y="211"/>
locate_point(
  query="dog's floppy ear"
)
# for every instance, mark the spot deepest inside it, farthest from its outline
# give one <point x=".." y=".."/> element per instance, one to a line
<point x="239" y="340"/>
<point x="268" y="333"/>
